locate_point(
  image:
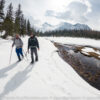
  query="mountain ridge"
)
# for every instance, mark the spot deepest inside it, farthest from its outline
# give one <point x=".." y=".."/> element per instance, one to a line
<point x="64" y="26"/>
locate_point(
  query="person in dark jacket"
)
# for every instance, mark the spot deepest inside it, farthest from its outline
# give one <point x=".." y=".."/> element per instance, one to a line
<point x="33" y="45"/>
<point x="19" y="45"/>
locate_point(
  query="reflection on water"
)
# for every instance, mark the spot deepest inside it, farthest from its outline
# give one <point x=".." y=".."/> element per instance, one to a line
<point x="85" y="59"/>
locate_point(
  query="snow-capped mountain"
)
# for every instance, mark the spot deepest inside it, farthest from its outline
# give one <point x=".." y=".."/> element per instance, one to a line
<point x="46" y="27"/>
<point x="64" y="26"/>
<point x="81" y="26"/>
<point x="68" y="26"/>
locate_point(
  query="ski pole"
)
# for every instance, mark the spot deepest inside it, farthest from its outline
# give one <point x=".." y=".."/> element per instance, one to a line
<point x="25" y="54"/>
<point x="10" y="55"/>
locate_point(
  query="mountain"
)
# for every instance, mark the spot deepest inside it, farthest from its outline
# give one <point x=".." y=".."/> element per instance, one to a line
<point x="46" y="27"/>
<point x="68" y="26"/>
<point x="81" y="26"/>
<point x="64" y="26"/>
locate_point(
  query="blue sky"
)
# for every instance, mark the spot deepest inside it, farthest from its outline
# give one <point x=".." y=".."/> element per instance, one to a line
<point x="56" y="11"/>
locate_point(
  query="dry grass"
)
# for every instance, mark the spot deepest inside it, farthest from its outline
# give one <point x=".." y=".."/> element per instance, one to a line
<point x="95" y="55"/>
<point x="80" y="48"/>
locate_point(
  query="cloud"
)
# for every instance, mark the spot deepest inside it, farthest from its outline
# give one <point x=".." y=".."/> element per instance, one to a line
<point x="95" y="8"/>
<point x="75" y="12"/>
<point x="50" y="13"/>
<point x="94" y="15"/>
<point x="54" y="11"/>
<point x="60" y="15"/>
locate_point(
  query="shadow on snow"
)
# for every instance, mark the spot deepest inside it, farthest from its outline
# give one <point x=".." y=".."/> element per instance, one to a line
<point x="3" y="72"/>
<point x="17" y="80"/>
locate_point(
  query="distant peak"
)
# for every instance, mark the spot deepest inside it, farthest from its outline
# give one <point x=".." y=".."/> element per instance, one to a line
<point x="64" y="26"/>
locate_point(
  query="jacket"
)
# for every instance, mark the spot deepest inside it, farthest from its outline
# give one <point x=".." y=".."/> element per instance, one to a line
<point x="33" y="42"/>
<point x="18" y="43"/>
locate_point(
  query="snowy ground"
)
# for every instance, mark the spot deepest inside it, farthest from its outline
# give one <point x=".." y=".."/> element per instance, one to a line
<point x="79" y="41"/>
<point x="49" y="79"/>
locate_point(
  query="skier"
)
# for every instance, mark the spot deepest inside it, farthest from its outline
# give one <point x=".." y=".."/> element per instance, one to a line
<point x="33" y="45"/>
<point x="19" y="45"/>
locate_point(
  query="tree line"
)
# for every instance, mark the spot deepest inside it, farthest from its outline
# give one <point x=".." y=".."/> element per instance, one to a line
<point x="72" y="33"/>
<point x="13" y="22"/>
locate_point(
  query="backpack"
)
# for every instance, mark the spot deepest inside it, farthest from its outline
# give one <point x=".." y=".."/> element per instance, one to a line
<point x="33" y="42"/>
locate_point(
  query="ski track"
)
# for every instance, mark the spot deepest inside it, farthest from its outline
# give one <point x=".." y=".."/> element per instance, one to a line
<point x="50" y="77"/>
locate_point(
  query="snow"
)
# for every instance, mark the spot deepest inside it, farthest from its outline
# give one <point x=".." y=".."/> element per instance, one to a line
<point x="2" y="33"/>
<point x="87" y="50"/>
<point x="86" y="53"/>
<point x="78" y="41"/>
<point x="48" y="79"/>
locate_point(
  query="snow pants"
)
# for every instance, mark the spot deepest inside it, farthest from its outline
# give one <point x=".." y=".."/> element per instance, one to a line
<point x="19" y="52"/>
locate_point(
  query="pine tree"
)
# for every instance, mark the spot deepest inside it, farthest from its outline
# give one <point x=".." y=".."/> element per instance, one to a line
<point x="2" y="3"/>
<point x="29" y="30"/>
<point x="23" y="25"/>
<point x="34" y="31"/>
<point x="8" y="22"/>
<point x="18" y="15"/>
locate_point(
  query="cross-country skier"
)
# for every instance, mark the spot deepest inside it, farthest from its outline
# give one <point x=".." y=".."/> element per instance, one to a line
<point x="19" y="45"/>
<point x="33" y="45"/>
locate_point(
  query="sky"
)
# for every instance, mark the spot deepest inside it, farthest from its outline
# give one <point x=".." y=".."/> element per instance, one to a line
<point x="57" y="11"/>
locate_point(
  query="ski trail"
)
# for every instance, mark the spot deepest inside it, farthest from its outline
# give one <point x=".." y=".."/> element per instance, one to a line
<point x="50" y="77"/>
